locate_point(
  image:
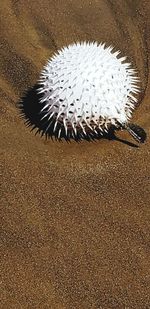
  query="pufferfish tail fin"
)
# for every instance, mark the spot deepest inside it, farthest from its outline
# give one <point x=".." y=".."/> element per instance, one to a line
<point x="136" y="132"/>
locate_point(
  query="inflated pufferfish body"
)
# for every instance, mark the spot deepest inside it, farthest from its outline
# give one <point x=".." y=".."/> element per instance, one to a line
<point x="87" y="87"/>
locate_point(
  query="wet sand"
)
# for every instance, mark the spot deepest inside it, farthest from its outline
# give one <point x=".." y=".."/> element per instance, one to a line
<point x="75" y="222"/>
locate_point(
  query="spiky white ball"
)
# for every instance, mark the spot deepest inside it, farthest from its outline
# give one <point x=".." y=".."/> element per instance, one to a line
<point x="86" y="86"/>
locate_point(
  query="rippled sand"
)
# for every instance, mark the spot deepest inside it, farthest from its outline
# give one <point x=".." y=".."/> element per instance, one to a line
<point x="75" y="225"/>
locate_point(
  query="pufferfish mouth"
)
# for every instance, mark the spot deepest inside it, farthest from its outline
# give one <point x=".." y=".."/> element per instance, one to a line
<point x="136" y="132"/>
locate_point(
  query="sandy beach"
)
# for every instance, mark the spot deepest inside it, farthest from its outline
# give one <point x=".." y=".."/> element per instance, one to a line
<point x="75" y="216"/>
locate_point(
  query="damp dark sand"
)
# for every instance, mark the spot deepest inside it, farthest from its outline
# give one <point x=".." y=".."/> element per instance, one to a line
<point x="75" y="225"/>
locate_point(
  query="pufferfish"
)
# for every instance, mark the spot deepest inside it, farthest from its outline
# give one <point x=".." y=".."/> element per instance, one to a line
<point x="86" y="87"/>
